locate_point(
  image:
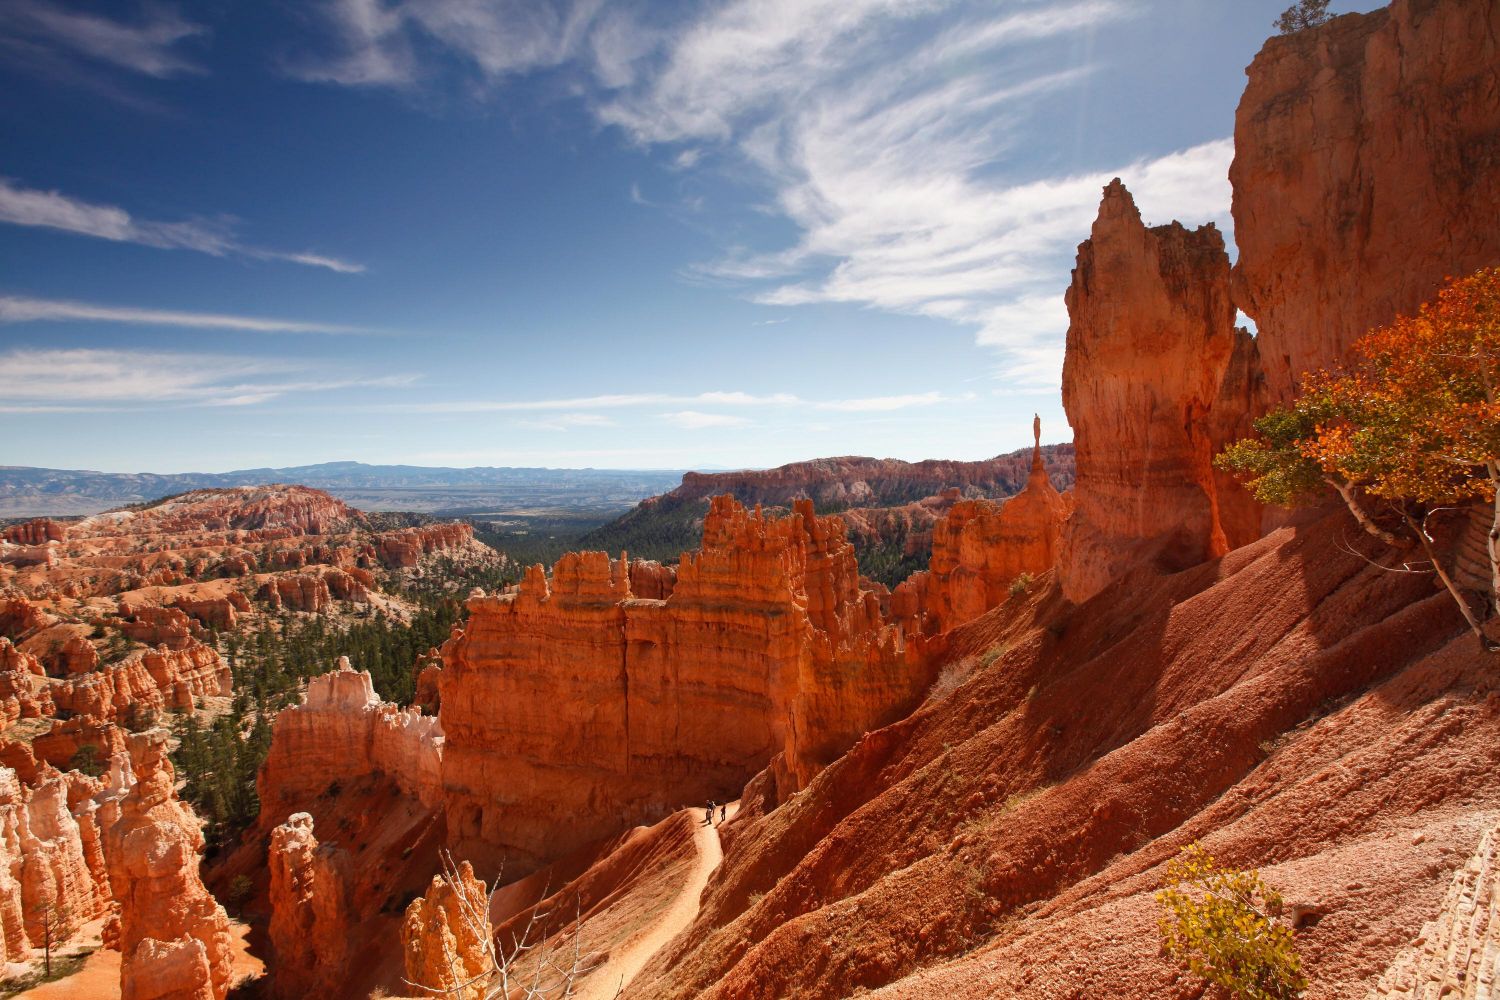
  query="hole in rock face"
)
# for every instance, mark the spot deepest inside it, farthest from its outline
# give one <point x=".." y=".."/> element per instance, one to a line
<point x="1306" y="915"/>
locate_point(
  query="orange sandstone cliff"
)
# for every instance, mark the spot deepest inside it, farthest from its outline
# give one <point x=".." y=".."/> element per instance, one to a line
<point x="340" y="732"/>
<point x="1151" y="340"/>
<point x="174" y="938"/>
<point x="311" y="922"/>
<point x="980" y="547"/>
<point x="574" y="708"/>
<point x="1365" y="160"/>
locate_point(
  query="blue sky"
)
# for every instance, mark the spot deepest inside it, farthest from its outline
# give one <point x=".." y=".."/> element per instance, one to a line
<point x="629" y="235"/>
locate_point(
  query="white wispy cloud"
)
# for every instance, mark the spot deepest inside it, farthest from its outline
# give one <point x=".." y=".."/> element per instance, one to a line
<point x="889" y="133"/>
<point x="698" y="420"/>
<point x="378" y="43"/>
<point x="579" y="405"/>
<point x="151" y="44"/>
<point x="604" y="402"/>
<point x="22" y="309"/>
<point x="568" y="421"/>
<point x="879" y="404"/>
<point x="882" y="129"/>
<point x="23" y="206"/>
<point x="80" y="380"/>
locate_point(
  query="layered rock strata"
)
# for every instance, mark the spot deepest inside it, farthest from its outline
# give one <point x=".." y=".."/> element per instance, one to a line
<point x="574" y="708"/>
<point x="445" y="936"/>
<point x="174" y="938"/>
<point x="343" y="731"/>
<point x="980" y="548"/>
<point x="24" y="692"/>
<point x="50" y="878"/>
<point x="311" y="922"/>
<point x="1148" y="389"/>
<point x="1456" y="956"/>
<point x="156" y="679"/>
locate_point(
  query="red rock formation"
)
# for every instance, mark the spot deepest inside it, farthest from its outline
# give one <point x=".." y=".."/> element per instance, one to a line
<point x="61" y="744"/>
<point x="855" y="482"/>
<point x="62" y="649"/>
<point x="38" y="531"/>
<point x="51" y="863"/>
<point x="911" y="524"/>
<point x="311" y="922"/>
<point x="650" y="580"/>
<point x="154" y="679"/>
<point x="291" y="509"/>
<point x="407" y="547"/>
<point x="27" y="555"/>
<point x="313" y="592"/>
<point x="1364" y="156"/>
<point x="19" y="616"/>
<point x="980" y="548"/>
<point x="182" y="543"/>
<point x="24" y="693"/>
<point x="575" y="708"/>
<point x="221" y="613"/>
<point x="429" y="669"/>
<point x="302" y="592"/>
<point x="1150" y="342"/>
<point x="445" y="935"/>
<point x="343" y="731"/>
<point x="44" y="852"/>
<point x="167" y="627"/>
<point x="174" y="939"/>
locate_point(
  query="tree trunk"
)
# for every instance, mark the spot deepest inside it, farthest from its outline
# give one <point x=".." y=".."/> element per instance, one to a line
<point x="1453" y="591"/>
<point x="1347" y="492"/>
<point x="1494" y="540"/>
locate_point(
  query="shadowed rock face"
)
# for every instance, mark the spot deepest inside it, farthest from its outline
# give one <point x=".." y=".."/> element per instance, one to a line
<point x="311" y="922"/>
<point x="575" y="709"/>
<point x="1367" y="154"/>
<point x="1155" y="378"/>
<point x="342" y="731"/>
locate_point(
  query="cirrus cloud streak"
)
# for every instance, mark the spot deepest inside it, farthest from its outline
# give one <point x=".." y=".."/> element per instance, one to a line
<point x="23" y="309"/>
<point x="22" y="206"/>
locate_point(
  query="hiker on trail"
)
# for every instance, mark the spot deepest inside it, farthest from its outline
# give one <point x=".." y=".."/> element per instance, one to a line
<point x="723" y="812"/>
<point x="708" y="816"/>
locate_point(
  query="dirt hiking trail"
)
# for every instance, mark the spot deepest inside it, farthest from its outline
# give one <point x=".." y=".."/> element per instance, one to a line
<point x="622" y="966"/>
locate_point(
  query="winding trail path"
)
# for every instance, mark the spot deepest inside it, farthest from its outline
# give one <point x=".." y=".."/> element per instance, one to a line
<point x="623" y="965"/>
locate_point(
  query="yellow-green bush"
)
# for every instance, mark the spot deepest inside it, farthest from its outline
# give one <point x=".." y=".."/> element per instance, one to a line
<point x="1225" y="925"/>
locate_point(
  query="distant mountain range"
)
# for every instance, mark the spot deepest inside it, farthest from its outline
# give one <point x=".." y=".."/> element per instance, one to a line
<point x="663" y="526"/>
<point x="32" y="492"/>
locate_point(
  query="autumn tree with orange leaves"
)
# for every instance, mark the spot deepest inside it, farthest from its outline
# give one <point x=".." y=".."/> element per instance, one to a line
<point x="1411" y="430"/>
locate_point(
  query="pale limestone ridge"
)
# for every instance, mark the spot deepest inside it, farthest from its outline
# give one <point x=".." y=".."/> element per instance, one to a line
<point x="1457" y="955"/>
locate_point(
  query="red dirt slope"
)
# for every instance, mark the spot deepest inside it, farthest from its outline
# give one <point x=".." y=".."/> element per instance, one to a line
<point x="1292" y="705"/>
